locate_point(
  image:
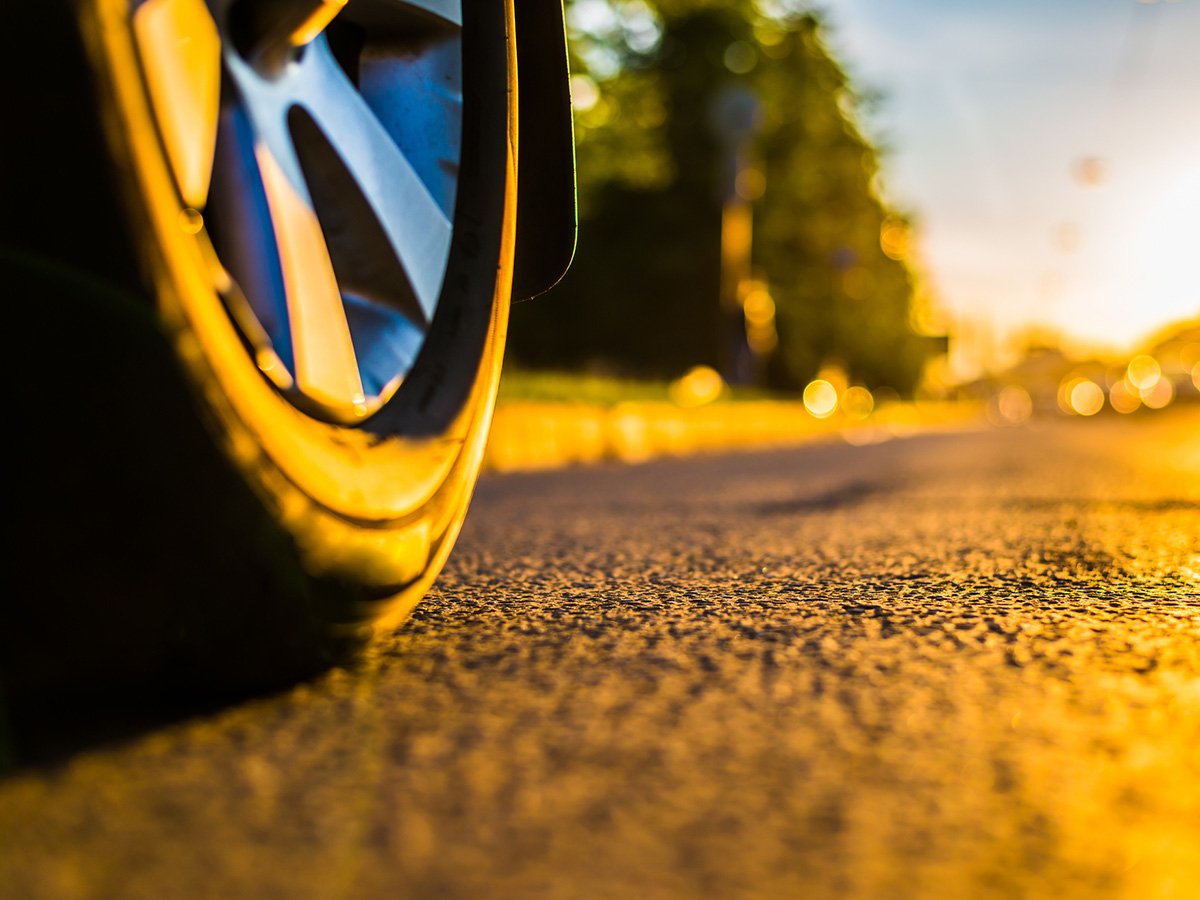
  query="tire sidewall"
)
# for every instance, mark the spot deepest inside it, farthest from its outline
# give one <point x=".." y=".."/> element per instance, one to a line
<point x="381" y="502"/>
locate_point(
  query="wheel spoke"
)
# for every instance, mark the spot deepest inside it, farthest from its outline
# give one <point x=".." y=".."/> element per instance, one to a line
<point x="326" y="367"/>
<point x="418" y="100"/>
<point x="180" y="51"/>
<point x="416" y="227"/>
<point x="239" y="220"/>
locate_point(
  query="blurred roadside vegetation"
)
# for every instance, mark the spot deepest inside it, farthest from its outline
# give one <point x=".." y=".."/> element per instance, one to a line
<point x="607" y="390"/>
<point x="643" y="298"/>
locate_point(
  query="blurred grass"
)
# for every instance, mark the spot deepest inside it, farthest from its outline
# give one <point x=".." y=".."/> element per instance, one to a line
<point x="550" y="420"/>
<point x="517" y="385"/>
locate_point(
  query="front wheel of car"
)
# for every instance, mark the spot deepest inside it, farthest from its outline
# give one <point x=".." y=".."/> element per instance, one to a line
<point x="284" y="438"/>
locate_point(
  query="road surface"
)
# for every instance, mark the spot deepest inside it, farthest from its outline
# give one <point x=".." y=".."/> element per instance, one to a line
<point x="957" y="665"/>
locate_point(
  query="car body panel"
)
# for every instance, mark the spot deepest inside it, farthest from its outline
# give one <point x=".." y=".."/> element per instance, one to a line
<point x="546" y="212"/>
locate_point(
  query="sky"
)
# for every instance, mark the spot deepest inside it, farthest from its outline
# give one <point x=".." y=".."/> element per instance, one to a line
<point x="1050" y="153"/>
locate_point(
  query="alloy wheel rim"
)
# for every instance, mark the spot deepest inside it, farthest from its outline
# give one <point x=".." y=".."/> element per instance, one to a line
<point x="315" y="148"/>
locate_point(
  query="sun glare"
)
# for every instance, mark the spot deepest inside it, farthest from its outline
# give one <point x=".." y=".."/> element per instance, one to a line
<point x="1164" y="266"/>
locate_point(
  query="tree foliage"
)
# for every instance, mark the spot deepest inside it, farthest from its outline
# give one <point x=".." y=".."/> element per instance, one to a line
<point x="643" y="295"/>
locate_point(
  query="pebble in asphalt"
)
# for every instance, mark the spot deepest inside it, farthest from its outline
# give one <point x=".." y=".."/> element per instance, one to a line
<point x="961" y="665"/>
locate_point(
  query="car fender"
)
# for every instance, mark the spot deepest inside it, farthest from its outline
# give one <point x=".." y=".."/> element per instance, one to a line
<point x="546" y="209"/>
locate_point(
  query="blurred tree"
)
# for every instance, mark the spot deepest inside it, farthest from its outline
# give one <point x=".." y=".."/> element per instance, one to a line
<point x="643" y="295"/>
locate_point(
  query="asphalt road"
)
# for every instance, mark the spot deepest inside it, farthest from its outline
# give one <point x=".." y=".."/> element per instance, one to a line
<point x="959" y="665"/>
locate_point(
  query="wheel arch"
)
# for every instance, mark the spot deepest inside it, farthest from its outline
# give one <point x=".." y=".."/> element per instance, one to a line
<point x="546" y="212"/>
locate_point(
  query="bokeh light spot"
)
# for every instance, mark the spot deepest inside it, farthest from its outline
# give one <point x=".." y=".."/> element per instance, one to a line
<point x="1189" y="354"/>
<point x="1160" y="395"/>
<point x="820" y="398"/>
<point x="1014" y="404"/>
<point x="857" y="402"/>
<point x="1091" y="171"/>
<point x="1087" y="397"/>
<point x="701" y="385"/>
<point x="893" y="239"/>
<point x="1123" y="398"/>
<point x="1143" y="372"/>
<point x="584" y="93"/>
<point x="740" y="58"/>
<point x="759" y="307"/>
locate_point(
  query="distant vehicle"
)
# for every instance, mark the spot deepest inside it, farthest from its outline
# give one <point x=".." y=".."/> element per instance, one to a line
<point x="327" y="206"/>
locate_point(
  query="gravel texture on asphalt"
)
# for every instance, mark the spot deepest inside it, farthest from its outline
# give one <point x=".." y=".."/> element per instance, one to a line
<point x="957" y="665"/>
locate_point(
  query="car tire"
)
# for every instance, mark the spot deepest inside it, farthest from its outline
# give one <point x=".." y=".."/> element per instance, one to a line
<point x="192" y="513"/>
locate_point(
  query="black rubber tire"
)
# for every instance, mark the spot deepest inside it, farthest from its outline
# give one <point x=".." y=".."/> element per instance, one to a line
<point x="182" y="524"/>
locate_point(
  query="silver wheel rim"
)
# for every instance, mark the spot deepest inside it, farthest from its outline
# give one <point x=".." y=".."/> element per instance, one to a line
<point x="318" y="146"/>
